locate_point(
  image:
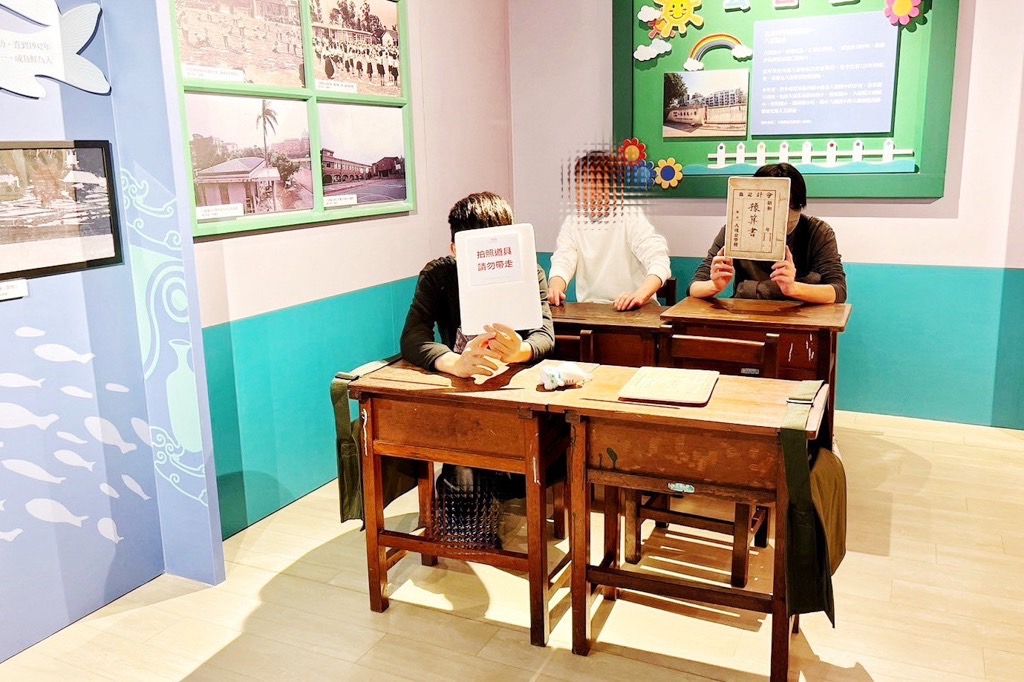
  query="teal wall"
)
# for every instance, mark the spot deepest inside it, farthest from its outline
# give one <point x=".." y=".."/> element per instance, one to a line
<point x="269" y="382"/>
<point x="938" y="343"/>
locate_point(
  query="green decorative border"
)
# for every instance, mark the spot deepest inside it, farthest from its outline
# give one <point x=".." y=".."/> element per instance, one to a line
<point x="312" y="97"/>
<point x="927" y="182"/>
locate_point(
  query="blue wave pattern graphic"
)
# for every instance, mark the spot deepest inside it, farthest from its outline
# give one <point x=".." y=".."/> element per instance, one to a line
<point x="162" y="303"/>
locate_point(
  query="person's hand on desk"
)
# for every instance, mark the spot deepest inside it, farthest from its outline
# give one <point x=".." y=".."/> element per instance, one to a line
<point x="631" y="301"/>
<point x="476" y="360"/>
<point x="508" y="344"/>
<point x="556" y="290"/>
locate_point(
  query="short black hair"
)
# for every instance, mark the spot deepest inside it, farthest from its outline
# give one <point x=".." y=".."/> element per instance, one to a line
<point x="481" y="209"/>
<point x="797" y="186"/>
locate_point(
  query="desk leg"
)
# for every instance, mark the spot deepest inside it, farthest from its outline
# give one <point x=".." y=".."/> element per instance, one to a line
<point x="426" y="493"/>
<point x="558" y="497"/>
<point x="741" y="544"/>
<point x="579" y="499"/>
<point x="780" y="610"/>
<point x="632" y="522"/>
<point x="827" y="362"/>
<point x="612" y="498"/>
<point x="536" y="533"/>
<point x="373" y="502"/>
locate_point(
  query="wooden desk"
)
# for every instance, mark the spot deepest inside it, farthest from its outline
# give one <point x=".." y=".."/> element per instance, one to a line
<point x="808" y="333"/>
<point x="501" y="425"/>
<point x="608" y="336"/>
<point x="730" y="449"/>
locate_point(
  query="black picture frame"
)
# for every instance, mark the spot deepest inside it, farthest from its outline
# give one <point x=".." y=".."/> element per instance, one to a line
<point x="81" y="195"/>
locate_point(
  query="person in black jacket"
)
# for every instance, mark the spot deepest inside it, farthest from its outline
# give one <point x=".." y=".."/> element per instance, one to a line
<point x="812" y="270"/>
<point x="436" y="303"/>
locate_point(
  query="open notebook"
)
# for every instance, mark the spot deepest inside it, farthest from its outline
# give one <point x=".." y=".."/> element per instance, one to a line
<point x="669" y="385"/>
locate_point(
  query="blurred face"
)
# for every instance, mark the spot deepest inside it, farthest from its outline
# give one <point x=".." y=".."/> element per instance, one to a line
<point x="593" y="192"/>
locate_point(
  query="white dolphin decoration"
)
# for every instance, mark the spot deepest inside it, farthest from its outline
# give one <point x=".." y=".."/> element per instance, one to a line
<point x="50" y="51"/>
<point x="53" y="511"/>
<point x="43" y="12"/>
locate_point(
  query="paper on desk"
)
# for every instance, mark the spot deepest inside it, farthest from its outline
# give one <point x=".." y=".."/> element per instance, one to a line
<point x="670" y="385"/>
<point x="757" y="210"/>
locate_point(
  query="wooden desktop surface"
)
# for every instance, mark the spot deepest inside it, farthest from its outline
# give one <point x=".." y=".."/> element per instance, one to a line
<point x="766" y="314"/>
<point x="603" y="315"/>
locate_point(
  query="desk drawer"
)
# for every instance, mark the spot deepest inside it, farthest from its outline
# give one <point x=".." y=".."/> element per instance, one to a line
<point x="687" y="455"/>
<point x="493" y="431"/>
<point x="797" y="350"/>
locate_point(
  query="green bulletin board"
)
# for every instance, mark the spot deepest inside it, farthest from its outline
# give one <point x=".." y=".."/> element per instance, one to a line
<point x="699" y="83"/>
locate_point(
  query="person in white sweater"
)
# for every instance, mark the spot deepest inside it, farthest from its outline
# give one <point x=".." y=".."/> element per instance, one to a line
<point x="611" y="248"/>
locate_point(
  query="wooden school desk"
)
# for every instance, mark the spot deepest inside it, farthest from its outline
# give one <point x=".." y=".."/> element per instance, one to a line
<point x="596" y="332"/>
<point x="730" y="449"/>
<point x="501" y="425"/>
<point x="808" y="333"/>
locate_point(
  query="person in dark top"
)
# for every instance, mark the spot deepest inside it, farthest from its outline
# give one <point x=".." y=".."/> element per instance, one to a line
<point x="812" y="270"/>
<point x="436" y="303"/>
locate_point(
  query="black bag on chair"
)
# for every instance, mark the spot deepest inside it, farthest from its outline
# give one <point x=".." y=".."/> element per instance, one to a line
<point x="399" y="475"/>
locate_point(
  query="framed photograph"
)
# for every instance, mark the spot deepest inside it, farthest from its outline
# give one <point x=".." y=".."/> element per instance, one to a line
<point x="58" y="208"/>
<point x="356" y="46"/>
<point x="241" y="41"/>
<point x="706" y="103"/>
<point x="362" y="155"/>
<point x="250" y="155"/>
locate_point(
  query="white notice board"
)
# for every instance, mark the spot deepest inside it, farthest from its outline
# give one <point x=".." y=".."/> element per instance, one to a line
<point x="497" y="269"/>
<point x="757" y="210"/>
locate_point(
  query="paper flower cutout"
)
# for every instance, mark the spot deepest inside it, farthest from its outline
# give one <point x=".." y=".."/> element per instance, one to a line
<point x="638" y="177"/>
<point x="632" y="151"/>
<point x="902" y="11"/>
<point x="668" y="173"/>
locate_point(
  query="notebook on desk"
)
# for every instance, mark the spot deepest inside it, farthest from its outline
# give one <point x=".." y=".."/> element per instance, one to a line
<point x="670" y="385"/>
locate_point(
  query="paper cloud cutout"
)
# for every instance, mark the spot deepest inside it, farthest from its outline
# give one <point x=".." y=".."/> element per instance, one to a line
<point x="657" y="47"/>
<point x="648" y="13"/>
<point x="742" y="52"/>
<point x="693" y="65"/>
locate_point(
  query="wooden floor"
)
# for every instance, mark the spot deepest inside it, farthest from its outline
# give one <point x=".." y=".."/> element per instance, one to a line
<point x="931" y="589"/>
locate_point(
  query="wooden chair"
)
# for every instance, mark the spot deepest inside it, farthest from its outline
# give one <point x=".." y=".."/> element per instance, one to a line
<point x="667" y="292"/>
<point x="730" y="356"/>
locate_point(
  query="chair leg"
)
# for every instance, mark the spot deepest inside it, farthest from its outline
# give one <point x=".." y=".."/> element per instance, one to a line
<point x="427" y="511"/>
<point x="761" y="536"/>
<point x="611" y="535"/>
<point x="741" y="545"/>
<point x="632" y="524"/>
<point x="558" y="492"/>
<point x="660" y="502"/>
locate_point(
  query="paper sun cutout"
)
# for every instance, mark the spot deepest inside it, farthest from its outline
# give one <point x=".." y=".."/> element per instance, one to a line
<point x="668" y="173"/>
<point x="902" y="11"/>
<point x="632" y="151"/>
<point x="675" y="15"/>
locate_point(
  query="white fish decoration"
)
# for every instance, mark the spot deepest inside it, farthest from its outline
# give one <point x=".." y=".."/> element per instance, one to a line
<point x="31" y="470"/>
<point x="75" y="392"/>
<point x="8" y="536"/>
<point x="70" y="437"/>
<point x="108" y="490"/>
<point x="2" y="504"/>
<point x="73" y="459"/>
<point x="142" y="430"/>
<point x="55" y="51"/>
<point x="54" y="352"/>
<point x="15" y="417"/>
<point x="12" y="380"/>
<point x="105" y="432"/>
<point x="116" y="388"/>
<point x="134" y="486"/>
<point x="43" y="12"/>
<point x="28" y="332"/>
<point x="53" y="511"/>
<point x="108" y="529"/>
